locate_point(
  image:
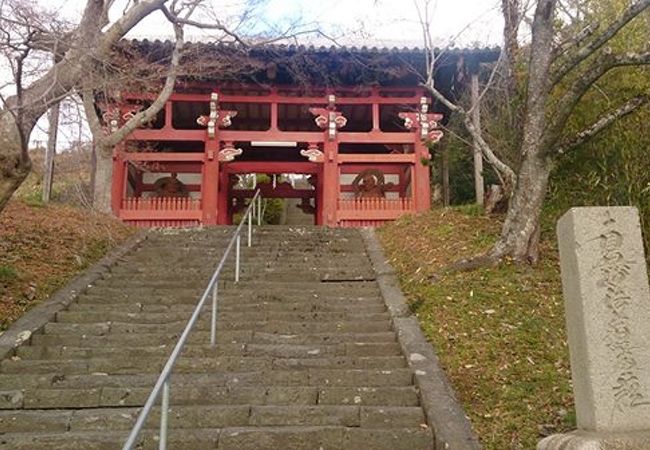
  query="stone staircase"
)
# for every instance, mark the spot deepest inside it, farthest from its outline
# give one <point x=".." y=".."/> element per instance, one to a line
<point x="306" y="358"/>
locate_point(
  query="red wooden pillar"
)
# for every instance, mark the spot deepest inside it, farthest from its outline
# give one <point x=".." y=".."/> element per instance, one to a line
<point x="118" y="180"/>
<point x="318" y="198"/>
<point x="421" y="181"/>
<point x="210" y="182"/>
<point x="330" y="183"/>
<point x="223" y="198"/>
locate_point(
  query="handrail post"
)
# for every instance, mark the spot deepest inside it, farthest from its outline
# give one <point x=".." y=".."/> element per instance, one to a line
<point x="164" y="416"/>
<point x="250" y="228"/>
<point x="259" y="211"/>
<point x="213" y="326"/>
<point x="237" y="252"/>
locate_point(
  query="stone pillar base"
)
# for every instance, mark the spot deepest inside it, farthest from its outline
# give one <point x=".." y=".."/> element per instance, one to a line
<point x="582" y="440"/>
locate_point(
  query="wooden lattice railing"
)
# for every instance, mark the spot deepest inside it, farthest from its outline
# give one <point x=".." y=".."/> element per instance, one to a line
<point x="366" y="210"/>
<point x="161" y="204"/>
<point x="162" y="211"/>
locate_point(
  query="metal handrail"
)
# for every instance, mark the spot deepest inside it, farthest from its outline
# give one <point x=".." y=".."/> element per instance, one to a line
<point x="162" y="384"/>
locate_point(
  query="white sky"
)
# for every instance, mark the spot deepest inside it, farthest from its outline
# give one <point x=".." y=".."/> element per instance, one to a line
<point x="461" y="23"/>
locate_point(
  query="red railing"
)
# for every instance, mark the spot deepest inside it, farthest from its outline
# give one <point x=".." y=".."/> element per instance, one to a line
<point x="162" y="211"/>
<point x="372" y="210"/>
<point x="161" y="204"/>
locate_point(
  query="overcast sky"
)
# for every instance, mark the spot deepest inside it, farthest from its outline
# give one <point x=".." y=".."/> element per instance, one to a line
<point x="463" y="23"/>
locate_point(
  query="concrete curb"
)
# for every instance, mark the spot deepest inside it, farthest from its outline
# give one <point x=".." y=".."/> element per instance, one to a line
<point x="36" y="318"/>
<point x="449" y="423"/>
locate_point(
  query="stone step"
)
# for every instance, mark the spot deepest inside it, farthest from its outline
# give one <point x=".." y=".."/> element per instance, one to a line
<point x="96" y="419"/>
<point x="134" y="365"/>
<point x="276" y="326"/>
<point x="12" y="383"/>
<point x="241" y="299"/>
<point x="244" y="286"/>
<point x="203" y="337"/>
<point x="325" y="438"/>
<point x="229" y="316"/>
<point x="206" y="351"/>
<point x="374" y="307"/>
<point x="248" y="271"/>
<point x="244" y="438"/>
<point x="197" y="394"/>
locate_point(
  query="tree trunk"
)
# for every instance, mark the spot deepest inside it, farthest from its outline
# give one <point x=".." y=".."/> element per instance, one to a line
<point x="14" y="159"/>
<point x="102" y="179"/>
<point x="520" y="233"/>
<point x="50" y="151"/>
<point x="479" y="183"/>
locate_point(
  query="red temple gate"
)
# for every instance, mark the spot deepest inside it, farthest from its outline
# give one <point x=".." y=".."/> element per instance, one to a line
<point x="201" y="140"/>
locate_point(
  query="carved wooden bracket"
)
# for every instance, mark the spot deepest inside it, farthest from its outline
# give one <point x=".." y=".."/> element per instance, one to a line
<point x="129" y="114"/>
<point x="229" y="152"/>
<point x="424" y="122"/>
<point x="313" y="154"/>
<point x="111" y="118"/>
<point x="217" y="118"/>
<point x="329" y="119"/>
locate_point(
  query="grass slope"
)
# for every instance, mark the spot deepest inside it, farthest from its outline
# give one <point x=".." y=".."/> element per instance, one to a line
<point x="499" y="332"/>
<point x="42" y="247"/>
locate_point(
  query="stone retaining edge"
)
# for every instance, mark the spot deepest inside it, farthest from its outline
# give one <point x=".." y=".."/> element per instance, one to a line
<point x="450" y="425"/>
<point x="35" y="319"/>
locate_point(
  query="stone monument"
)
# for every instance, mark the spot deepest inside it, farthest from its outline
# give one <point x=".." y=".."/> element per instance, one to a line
<point x="607" y="302"/>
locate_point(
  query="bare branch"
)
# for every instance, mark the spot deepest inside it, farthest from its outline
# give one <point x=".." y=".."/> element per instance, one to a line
<point x="585" y="52"/>
<point x="604" y="122"/>
<point x="582" y="84"/>
<point x="144" y="116"/>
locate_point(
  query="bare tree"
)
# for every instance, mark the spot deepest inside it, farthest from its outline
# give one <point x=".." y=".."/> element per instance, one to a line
<point x="83" y="54"/>
<point x="567" y="54"/>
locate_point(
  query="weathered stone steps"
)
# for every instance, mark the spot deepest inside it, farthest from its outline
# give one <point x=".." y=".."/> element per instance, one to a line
<point x="79" y="398"/>
<point x="233" y="307"/>
<point x="224" y="316"/>
<point x="201" y="337"/>
<point x="306" y="378"/>
<point x="306" y="355"/>
<point x="271" y="326"/>
<point x="200" y="416"/>
<point x="244" y="438"/>
<point x="205" y="351"/>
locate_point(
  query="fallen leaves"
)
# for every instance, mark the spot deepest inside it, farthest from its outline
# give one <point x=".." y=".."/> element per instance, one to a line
<point x="42" y="247"/>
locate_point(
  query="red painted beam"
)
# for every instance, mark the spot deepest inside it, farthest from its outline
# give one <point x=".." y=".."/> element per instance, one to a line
<point x="376" y="137"/>
<point x="179" y="167"/>
<point x="271" y="135"/>
<point x="279" y="192"/>
<point x="167" y="135"/>
<point x="150" y="187"/>
<point x="350" y="188"/>
<point x="270" y="167"/>
<point x="162" y="156"/>
<point x="353" y="169"/>
<point x="408" y="158"/>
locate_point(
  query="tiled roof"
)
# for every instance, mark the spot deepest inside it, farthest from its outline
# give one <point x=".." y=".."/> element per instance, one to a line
<point x="333" y="49"/>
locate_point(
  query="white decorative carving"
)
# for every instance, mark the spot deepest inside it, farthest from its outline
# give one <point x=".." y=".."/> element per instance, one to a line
<point x="229" y="153"/>
<point x="313" y="154"/>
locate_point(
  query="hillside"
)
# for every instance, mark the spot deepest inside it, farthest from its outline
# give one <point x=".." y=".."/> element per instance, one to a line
<point x="42" y="247"/>
<point x="499" y="332"/>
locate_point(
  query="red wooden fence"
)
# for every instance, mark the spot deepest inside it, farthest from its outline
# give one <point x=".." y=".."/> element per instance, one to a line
<point x="362" y="212"/>
<point x="162" y="212"/>
<point x="161" y="204"/>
